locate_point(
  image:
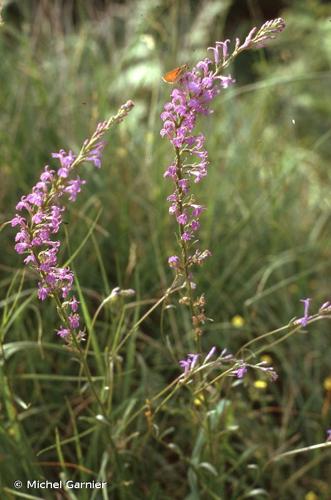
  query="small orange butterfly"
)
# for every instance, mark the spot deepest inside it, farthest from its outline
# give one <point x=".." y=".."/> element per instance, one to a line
<point x="175" y="74"/>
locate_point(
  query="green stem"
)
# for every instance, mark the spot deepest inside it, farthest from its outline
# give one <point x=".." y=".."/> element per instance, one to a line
<point x="193" y="309"/>
<point x="183" y="245"/>
<point x="63" y="316"/>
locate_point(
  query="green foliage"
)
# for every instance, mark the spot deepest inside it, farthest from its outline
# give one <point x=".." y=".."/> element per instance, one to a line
<point x="267" y="225"/>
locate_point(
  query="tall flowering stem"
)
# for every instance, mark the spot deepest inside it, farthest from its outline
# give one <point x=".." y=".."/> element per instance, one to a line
<point x="192" y="97"/>
<point x="39" y="217"/>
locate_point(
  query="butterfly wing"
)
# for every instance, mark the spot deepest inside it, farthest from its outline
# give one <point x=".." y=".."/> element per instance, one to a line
<point x="175" y="74"/>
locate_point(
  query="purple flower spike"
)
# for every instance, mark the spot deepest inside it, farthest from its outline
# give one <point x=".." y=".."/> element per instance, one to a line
<point x="197" y="88"/>
<point x="191" y="99"/>
<point x="43" y="209"/>
<point x="328" y="435"/>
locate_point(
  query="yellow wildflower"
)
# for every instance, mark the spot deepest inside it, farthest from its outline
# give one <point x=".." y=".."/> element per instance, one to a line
<point x="199" y="400"/>
<point x="260" y="384"/>
<point x="237" y="321"/>
<point x="266" y="358"/>
<point x="327" y="384"/>
<point x="311" y="496"/>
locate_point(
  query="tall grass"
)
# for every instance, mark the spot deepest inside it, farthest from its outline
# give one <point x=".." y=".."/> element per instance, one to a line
<point x="267" y="225"/>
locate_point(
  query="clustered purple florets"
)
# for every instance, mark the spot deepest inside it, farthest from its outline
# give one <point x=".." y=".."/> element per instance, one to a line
<point x="43" y="213"/>
<point x="195" y="92"/>
<point x="42" y="218"/>
<point x="197" y="89"/>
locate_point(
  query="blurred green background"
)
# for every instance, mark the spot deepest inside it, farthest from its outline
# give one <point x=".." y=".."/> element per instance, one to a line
<point x="64" y="66"/>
